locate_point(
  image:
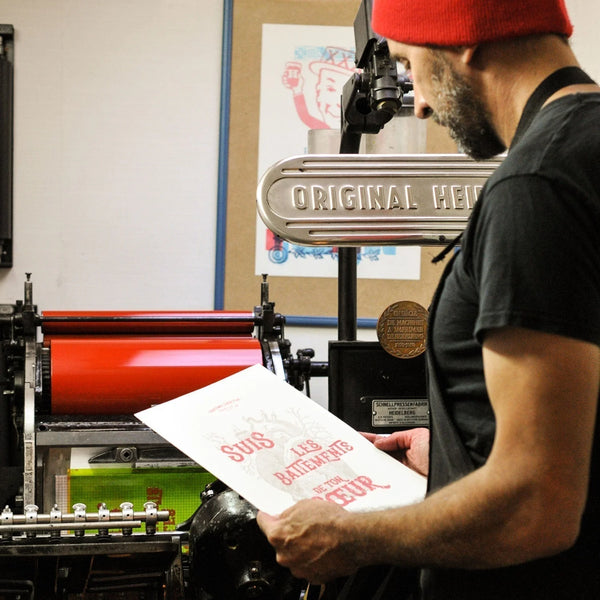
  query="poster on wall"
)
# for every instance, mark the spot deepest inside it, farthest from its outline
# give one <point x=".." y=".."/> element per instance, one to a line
<point x="303" y="71"/>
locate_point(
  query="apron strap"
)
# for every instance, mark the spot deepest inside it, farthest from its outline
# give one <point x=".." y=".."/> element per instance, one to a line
<point x="554" y="82"/>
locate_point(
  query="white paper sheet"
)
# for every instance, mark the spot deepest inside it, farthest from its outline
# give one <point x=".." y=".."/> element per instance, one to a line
<point x="275" y="446"/>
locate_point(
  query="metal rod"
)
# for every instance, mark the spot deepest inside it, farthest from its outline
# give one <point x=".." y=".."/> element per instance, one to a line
<point x="73" y="525"/>
<point x="347" y="294"/>
<point x="154" y="318"/>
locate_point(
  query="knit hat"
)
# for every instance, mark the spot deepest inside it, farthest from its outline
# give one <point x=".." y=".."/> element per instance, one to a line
<point x="466" y="22"/>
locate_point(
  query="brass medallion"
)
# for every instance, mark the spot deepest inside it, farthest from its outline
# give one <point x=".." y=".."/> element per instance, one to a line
<point x="402" y="329"/>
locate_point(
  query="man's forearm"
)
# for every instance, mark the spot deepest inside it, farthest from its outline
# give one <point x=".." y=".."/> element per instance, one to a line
<point x="473" y="523"/>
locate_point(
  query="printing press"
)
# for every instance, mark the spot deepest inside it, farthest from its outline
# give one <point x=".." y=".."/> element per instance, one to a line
<point x="73" y="380"/>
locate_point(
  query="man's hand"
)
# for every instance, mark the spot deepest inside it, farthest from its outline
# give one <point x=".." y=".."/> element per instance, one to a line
<point x="309" y="539"/>
<point x="410" y="447"/>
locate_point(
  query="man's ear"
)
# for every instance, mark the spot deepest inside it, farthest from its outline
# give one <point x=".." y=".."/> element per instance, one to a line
<point x="468" y="54"/>
<point x="465" y="56"/>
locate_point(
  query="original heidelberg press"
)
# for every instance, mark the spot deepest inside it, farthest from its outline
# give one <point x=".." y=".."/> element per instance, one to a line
<point x="71" y="381"/>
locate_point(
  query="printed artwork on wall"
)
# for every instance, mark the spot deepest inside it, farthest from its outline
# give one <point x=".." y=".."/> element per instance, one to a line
<point x="303" y="71"/>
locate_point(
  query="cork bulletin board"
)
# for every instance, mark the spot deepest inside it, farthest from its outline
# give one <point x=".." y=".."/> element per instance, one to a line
<point x="302" y="296"/>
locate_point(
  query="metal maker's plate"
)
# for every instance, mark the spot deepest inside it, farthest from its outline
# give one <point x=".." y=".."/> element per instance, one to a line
<point x="402" y="329"/>
<point x="400" y="412"/>
<point x="363" y="199"/>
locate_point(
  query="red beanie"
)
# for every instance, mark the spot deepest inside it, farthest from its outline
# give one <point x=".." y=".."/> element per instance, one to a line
<point x="466" y="22"/>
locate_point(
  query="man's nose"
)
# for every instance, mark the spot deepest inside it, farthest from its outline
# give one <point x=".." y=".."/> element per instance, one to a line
<point x="422" y="109"/>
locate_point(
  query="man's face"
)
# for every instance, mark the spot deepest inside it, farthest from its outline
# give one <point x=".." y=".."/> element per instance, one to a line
<point x="445" y="95"/>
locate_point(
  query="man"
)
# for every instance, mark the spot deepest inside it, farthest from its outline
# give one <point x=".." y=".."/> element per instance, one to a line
<point x="513" y="508"/>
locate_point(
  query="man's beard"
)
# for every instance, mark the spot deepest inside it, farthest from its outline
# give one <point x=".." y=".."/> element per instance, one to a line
<point x="463" y="113"/>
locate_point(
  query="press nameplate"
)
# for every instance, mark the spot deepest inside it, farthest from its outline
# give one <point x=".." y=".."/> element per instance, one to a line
<point x="362" y="199"/>
<point x="400" y="413"/>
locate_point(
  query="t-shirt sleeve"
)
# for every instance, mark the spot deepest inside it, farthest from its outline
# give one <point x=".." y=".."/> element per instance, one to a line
<point x="536" y="260"/>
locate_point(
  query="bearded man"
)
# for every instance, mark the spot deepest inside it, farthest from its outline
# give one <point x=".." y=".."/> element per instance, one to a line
<point x="513" y="504"/>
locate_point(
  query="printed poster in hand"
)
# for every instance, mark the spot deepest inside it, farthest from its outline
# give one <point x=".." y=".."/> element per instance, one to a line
<point x="275" y="446"/>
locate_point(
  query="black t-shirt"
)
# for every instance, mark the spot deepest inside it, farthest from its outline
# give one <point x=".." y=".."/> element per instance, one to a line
<point x="530" y="257"/>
